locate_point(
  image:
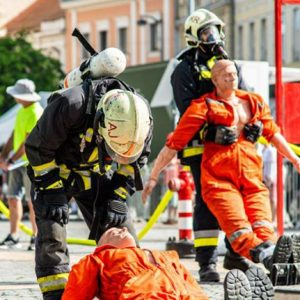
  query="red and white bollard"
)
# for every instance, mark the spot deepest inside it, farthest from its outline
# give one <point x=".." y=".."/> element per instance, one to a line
<point x="184" y="186"/>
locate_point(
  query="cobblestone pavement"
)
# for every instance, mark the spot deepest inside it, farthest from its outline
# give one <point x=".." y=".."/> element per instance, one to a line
<point x="17" y="278"/>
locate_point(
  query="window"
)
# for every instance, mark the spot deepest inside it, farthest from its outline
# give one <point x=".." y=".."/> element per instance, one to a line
<point x="240" y="42"/>
<point x="153" y="37"/>
<point x="123" y="39"/>
<point x="102" y="40"/>
<point x="296" y="34"/>
<point x="85" y="54"/>
<point x="263" y="40"/>
<point x="251" y="42"/>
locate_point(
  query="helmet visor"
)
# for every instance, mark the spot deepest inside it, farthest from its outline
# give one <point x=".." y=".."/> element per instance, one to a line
<point x="209" y="35"/>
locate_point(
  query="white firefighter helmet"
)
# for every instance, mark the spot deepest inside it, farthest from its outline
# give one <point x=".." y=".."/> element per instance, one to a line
<point x="198" y="20"/>
<point x="124" y="124"/>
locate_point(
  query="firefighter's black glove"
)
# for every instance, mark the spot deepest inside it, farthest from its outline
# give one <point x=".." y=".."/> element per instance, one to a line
<point x="221" y="135"/>
<point x="253" y="131"/>
<point x="50" y="201"/>
<point x="52" y="206"/>
<point x="116" y="212"/>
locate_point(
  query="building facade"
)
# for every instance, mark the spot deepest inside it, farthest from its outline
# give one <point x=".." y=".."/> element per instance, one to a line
<point x="142" y="29"/>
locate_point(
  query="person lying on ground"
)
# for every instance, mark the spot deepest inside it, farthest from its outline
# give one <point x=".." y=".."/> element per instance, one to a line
<point x="118" y="269"/>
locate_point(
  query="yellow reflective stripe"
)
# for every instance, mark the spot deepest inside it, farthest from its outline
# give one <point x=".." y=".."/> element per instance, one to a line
<point x="211" y="62"/>
<point x="121" y="192"/>
<point x="45" y="168"/>
<point x="192" y="151"/>
<point x="64" y="172"/>
<point x="89" y="134"/>
<point x="126" y="170"/>
<point x="56" y="185"/>
<point x="86" y="178"/>
<point x="204" y="242"/>
<point x="53" y="282"/>
<point x="96" y="168"/>
<point x="205" y="74"/>
<point x="94" y="155"/>
<point x="202" y="131"/>
<point x="186" y="168"/>
<point x="262" y="140"/>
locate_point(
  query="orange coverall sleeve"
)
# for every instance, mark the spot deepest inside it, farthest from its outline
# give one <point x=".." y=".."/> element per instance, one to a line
<point x="190" y="123"/>
<point x="83" y="282"/>
<point x="270" y="127"/>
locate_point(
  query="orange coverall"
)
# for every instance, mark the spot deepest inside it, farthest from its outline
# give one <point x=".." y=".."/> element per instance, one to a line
<point x="117" y="274"/>
<point x="231" y="179"/>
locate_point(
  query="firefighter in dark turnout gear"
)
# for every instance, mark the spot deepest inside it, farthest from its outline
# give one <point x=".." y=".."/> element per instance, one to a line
<point x="191" y="79"/>
<point x="89" y="144"/>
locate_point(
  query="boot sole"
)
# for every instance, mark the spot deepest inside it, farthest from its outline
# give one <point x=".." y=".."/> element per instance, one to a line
<point x="237" y="286"/>
<point x="260" y="283"/>
<point x="296" y="248"/>
<point x="283" y="250"/>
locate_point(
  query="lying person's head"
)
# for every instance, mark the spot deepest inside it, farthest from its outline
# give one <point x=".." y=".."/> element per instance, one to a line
<point x="117" y="237"/>
<point x="224" y="75"/>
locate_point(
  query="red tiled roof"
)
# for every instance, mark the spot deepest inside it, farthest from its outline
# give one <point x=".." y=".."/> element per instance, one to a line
<point x="32" y="16"/>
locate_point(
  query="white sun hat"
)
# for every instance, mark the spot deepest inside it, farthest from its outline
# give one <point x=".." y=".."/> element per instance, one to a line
<point x="24" y="89"/>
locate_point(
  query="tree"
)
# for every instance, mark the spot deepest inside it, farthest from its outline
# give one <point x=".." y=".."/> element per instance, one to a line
<point x="18" y="59"/>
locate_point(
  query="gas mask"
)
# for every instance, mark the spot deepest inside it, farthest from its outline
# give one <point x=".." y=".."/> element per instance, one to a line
<point x="211" y="42"/>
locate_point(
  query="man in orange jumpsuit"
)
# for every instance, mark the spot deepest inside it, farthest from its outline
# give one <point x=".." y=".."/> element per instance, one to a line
<point x="231" y="179"/>
<point x="119" y="270"/>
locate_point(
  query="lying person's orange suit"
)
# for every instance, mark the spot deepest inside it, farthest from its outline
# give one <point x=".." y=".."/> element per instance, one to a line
<point x="231" y="179"/>
<point x="118" y="274"/>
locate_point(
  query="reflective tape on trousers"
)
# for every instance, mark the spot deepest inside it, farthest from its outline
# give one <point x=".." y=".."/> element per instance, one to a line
<point x="211" y="233"/>
<point x="238" y="233"/>
<point x="205" y="242"/>
<point x="53" y="282"/>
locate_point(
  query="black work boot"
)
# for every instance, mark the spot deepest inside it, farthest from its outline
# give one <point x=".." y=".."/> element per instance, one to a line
<point x="233" y="260"/>
<point x="237" y="286"/>
<point x="281" y="254"/>
<point x="208" y="273"/>
<point x="295" y="258"/>
<point x="260" y="283"/>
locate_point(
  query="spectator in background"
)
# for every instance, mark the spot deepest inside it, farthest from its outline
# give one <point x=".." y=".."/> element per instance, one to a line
<point x="269" y="156"/>
<point x="13" y="159"/>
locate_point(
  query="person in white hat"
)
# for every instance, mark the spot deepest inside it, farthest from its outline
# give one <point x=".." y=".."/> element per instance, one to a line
<point x="14" y="160"/>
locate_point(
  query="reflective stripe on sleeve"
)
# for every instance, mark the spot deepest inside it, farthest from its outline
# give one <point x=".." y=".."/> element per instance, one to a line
<point x="53" y="282"/>
<point x="121" y="192"/>
<point x="45" y="168"/>
<point x="126" y="170"/>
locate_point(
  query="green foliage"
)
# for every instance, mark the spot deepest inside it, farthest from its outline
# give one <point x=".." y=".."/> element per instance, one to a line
<point x="19" y="60"/>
